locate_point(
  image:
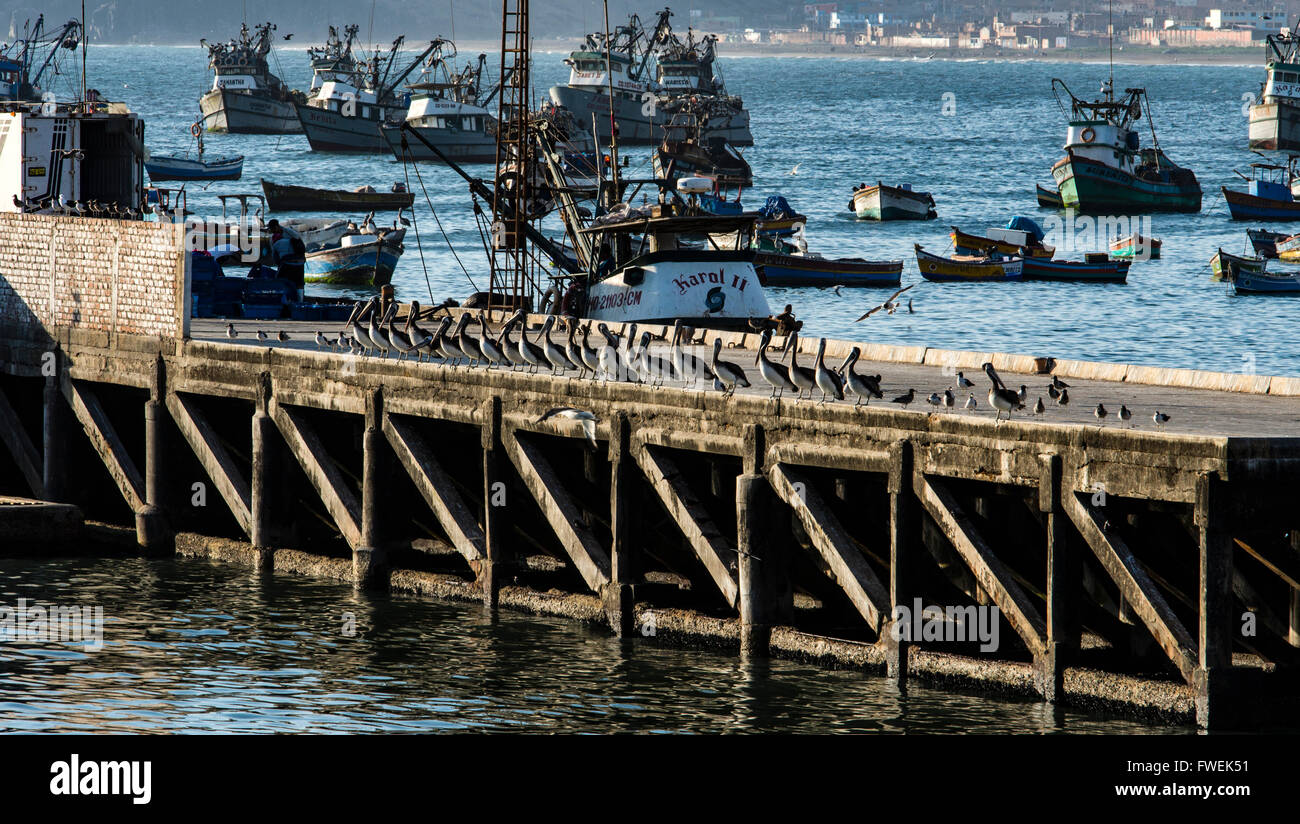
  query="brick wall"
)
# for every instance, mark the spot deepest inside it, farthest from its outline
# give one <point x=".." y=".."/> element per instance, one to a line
<point x="115" y="276"/>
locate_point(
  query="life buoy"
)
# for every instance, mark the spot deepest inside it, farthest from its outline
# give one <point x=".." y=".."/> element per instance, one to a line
<point x="1088" y="135"/>
<point x="932" y="267"/>
<point x="196" y="130"/>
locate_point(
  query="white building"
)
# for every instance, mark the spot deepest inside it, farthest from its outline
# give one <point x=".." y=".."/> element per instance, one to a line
<point x="1272" y="20"/>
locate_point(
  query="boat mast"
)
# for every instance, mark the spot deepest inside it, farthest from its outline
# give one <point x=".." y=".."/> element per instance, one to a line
<point x="511" y="195"/>
<point x="85" y="35"/>
<point x="1110" y="32"/>
<point x="613" y="121"/>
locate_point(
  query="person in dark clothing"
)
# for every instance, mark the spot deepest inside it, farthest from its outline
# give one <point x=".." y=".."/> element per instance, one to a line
<point x="785" y="322"/>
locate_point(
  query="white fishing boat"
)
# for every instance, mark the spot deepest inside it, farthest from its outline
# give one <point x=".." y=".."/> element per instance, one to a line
<point x="246" y="98"/>
<point x="448" y="110"/>
<point x="881" y="202"/>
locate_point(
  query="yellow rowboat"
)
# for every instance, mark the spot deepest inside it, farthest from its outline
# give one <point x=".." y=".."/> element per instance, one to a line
<point x="968" y="267"/>
<point x="1012" y="243"/>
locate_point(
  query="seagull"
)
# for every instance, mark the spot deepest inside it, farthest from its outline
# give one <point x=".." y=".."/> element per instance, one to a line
<point x="230" y="331"/>
<point x="935" y="399"/>
<point x="777" y="375"/>
<point x="1053" y="392"/>
<point x="1100" y="412"/>
<point x="1064" y="398"/>
<point x="568" y="413"/>
<point x="1039" y="408"/>
<point x="1124" y="413"/>
<point x="261" y="336"/>
<point x="729" y="373"/>
<point x="1058" y="383"/>
<point x="836" y="289"/>
<point x="321" y="340"/>
<point x="827" y="381"/>
<point x="964" y="382"/>
<point x="970" y="402"/>
<point x="906" y="398"/>
<point x="1160" y="418"/>
<point x="795" y="170"/>
<point x="865" y="387"/>
<point x="283" y="336"/>
<point x="888" y="305"/>
<point x="948" y="399"/>
<point x="1001" y="398"/>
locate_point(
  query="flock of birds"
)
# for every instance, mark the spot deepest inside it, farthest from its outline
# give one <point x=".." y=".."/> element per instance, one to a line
<point x="76" y="208"/>
<point x="372" y="329"/>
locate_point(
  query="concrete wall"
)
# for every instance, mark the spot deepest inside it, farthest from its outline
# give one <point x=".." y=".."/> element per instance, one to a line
<point x="115" y="276"/>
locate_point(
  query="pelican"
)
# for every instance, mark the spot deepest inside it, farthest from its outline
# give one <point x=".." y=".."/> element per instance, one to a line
<point x="864" y="387"/>
<point x="828" y="382"/>
<point x="553" y="351"/>
<point x="655" y="367"/>
<point x="776" y="374"/>
<point x="1001" y="398"/>
<point x="400" y="340"/>
<point x="804" y="379"/>
<point x="906" y="398"/>
<point x="727" y="372"/>
<point x="490" y="348"/>
<point x="470" y="345"/>
<point x="590" y="358"/>
<point x="449" y="344"/>
<point x="573" y="350"/>
<point x="568" y="413"/>
<point x="354" y="328"/>
<point x="686" y="367"/>
<point x="432" y="345"/>
<point x="611" y="365"/>
<point x="376" y="332"/>
<point x="533" y="355"/>
<point x="508" y="348"/>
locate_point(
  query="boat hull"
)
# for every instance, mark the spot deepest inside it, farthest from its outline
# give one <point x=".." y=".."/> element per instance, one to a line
<point x="637" y="128"/>
<point x="1224" y="266"/>
<point x="968" y="244"/>
<point x="244" y="113"/>
<point x="179" y="168"/>
<point x="460" y="147"/>
<point x="1260" y="283"/>
<point x="1245" y="206"/>
<point x="891" y="203"/>
<point x="716" y="291"/>
<point x="332" y="131"/>
<point x="363" y="264"/>
<point x="947" y="270"/>
<point x="1264" y="242"/>
<point x="1090" y="187"/>
<point x="1048" y="198"/>
<point x="282" y="197"/>
<point x="1107" y="271"/>
<point x="796" y="270"/>
<point x="1136" y="247"/>
<point x="1275" y="126"/>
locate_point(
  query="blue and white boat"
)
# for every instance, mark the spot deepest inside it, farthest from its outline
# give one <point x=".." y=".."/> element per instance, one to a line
<point x="1268" y="195"/>
<point x="1266" y="283"/>
<point x="162" y="167"/>
<point x="361" y="259"/>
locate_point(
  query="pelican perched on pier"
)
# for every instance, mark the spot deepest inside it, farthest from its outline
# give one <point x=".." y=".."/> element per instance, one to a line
<point x="433" y="346"/>
<point x="831" y="384"/>
<point x="353" y="326"/>
<point x="508" y="347"/>
<point x="398" y="338"/>
<point x="590" y="358"/>
<point x="804" y="379"/>
<point x="777" y="375"/>
<point x="686" y="367"/>
<point x="491" y="349"/>
<point x="376" y="332"/>
<point x="612" y="366"/>
<point x="649" y="366"/>
<point x="554" y="353"/>
<point x="573" y="350"/>
<point x="469" y="344"/>
<point x="533" y="354"/>
<point x="449" y="344"/>
<point x="1000" y="397"/>
<point x="731" y="375"/>
<point x="864" y="387"/>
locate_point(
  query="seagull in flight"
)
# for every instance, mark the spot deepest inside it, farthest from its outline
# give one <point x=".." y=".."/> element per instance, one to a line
<point x="795" y="170"/>
<point x="569" y="413"/>
<point x="888" y="304"/>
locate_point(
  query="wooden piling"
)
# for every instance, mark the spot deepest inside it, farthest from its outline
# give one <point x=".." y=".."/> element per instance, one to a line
<point x="1214" y="680"/>
<point x="756" y="605"/>
<point x="904" y="526"/>
<point x="1063" y="574"/>
<point x="619" y="594"/>
<point x="491" y="568"/>
<point x="262" y="482"/>
<point x="151" y="531"/>
<point x="54" y="436"/>
<point x="369" y="566"/>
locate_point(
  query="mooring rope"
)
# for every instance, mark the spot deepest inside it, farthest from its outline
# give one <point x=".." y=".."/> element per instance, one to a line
<point x="415" y="225"/>
<point x="420" y="179"/>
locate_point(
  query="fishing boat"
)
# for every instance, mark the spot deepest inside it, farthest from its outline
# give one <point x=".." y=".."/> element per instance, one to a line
<point x="246" y="98"/>
<point x="975" y="268"/>
<point x="360" y="259"/>
<point x="1048" y="198"/>
<point x="348" y="114"/>
<point x="1275" y="119"/>
<point x="1022" y="237"/>
<point x="282" y="197"/>
<point x="27" y="61"/>
<point x="448" y="108"/>
<point x="1225" y="266"/>
<point x="1266" y="283"/>
<point x="881" y="202"/>
<point x="1106" y="171"/>
<point x="1135" y="246"/>
<point x="652" y="73"/>
<point x="333" y="61"/>
<point x="778" y="269"/>
<point x="686" y="151"/>
<point x="1265" y="242"/>
<point x="1096" y="267"/>
<point x="1268" y="195"/>
<point x="164" y="167"/>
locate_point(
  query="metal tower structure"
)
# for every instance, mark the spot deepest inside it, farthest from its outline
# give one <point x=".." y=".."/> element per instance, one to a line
<point x="511" y="195"/>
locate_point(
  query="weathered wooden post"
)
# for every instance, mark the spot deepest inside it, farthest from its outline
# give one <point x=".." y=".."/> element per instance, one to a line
<point x="619" y="595"/>
<point x="491" y="568"/>
<point x="902" y="531"/>
<point x="1063" y="575"/>
<point x="54" y="433"/>
<point x="763" y="590"/>
<point x="260" y="507"/>
<point x="151" y="531"/>
<point x="369" y="567"/>
<point x="1213" y="678"/>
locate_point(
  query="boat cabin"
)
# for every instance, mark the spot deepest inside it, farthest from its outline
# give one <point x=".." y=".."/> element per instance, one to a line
<point x="1270" y="181"/>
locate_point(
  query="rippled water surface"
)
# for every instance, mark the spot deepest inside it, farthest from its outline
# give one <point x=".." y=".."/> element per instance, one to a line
<point x="194" y="646"/>
<point x="844" y="121"/>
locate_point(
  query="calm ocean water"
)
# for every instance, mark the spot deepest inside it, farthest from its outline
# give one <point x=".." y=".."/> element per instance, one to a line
<point x="196" y="646"/>
<point x="844" y="121"/>
<point x="193" y="646"/>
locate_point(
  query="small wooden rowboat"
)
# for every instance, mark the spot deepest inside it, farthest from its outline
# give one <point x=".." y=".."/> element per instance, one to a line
<point x="1265" y="242"/>
<point x="162" y="168"/>
<point x="285" y="198"/>
<point x="968" y="267"/>
<point x="881" y="202"/>
<point x="1288" y="248"/>
<point x="1136" y="246"/>
<point x="1098" y="268"/>
<point x="1010" y="243"/>
<point x="1226" y="266"/>
<point x="1049" y="198"/>
<point x="1266" y="283"/>
<point x="365" y="260"/>
<point x="778" y="269"/>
